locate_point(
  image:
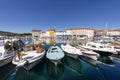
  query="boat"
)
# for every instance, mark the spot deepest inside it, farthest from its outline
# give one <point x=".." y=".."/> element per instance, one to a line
<point x="34" y="73"/>
<point x="55" y="54"/>
<point x="91" y="54"/>
<point x="115" y="46"/>
<point x="100" y="48"/>
<point x="28" y="59"/>
<point x="71" y="51"/>
<point x="7" y="51"/>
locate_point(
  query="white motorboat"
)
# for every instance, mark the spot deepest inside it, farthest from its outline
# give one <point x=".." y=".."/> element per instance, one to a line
<point x="28" y="59"/>
<point x="55" y="54"/>
<point x="99" y="48"/>
<point x="5" y="57"/>
<point x="7" y="52"/>
<point x="91" y="54"/>
<point x="115" y="46"/>
<point x="71" y="51"/>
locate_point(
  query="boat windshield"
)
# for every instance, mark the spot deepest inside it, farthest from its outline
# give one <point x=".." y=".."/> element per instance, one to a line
<point x="54" y="50"/>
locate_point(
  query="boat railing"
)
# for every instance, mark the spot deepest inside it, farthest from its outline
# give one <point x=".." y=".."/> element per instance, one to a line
<point x="73" y="49"/>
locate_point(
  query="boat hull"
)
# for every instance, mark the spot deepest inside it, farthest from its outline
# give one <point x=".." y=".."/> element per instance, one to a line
<point x="103" y="52"/>
<point x="90" y="54"/>
<point x="71" y="51"/>
<point x="75" y="56"/>
<point x="55" y="53"/>
<point x="5" y="61"/>
<point x="28" y="64"/>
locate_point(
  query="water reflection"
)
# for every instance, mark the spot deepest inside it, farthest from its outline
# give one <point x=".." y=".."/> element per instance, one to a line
<point x="106" y="60"/>
<point x="6" y="71"/>
<point x="50" y="41"/>
<point x="115" y="56"/>
<point x="21" y="74"/>
<point x="74" y="64"/>
<point x="33" y="74"/>
<point x="55" y="72"/>
<point x="38" y="72"/>
<point x="90" y="61"/>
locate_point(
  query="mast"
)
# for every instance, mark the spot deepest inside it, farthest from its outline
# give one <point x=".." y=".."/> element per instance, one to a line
<point x="106" y="25"/>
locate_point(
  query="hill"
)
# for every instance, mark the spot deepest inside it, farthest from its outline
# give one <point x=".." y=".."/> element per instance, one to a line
<point x="6" y="33"/>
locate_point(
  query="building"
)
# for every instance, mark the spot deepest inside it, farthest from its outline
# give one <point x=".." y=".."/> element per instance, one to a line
<point x="81" y="32"/>
<point x="43" y="34"/>
<point x="102" y="32"/>
<point x="52" y="33"/>
<point x="36" y="33"/>
<point x="113" y="32"/>
<point x="47" y="34"/>
<point x="62" y="34"/>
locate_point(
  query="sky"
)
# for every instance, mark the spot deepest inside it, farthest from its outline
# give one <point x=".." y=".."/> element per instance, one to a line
<point x="23" y="16"/>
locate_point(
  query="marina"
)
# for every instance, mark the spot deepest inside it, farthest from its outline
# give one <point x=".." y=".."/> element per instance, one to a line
<point x="69" y="68"/>
<point x="59" y="40"/>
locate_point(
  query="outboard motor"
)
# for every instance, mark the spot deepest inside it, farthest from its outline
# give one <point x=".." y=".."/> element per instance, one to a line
<point x="8" y="46"/>
<point x="18" y="45"/>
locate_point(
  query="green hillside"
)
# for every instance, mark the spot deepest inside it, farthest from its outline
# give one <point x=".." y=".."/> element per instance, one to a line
<point x="5" y="33"/>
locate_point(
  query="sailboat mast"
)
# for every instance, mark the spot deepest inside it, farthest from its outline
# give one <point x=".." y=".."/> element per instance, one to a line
<point x="106" y="25"/>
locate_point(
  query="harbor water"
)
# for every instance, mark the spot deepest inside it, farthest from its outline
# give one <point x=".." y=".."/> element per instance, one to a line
<point x="82" y="68"/>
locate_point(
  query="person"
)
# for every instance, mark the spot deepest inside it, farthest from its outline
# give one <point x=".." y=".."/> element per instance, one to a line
<point x="40" y="47"/>
<point x="17" y="47"/>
